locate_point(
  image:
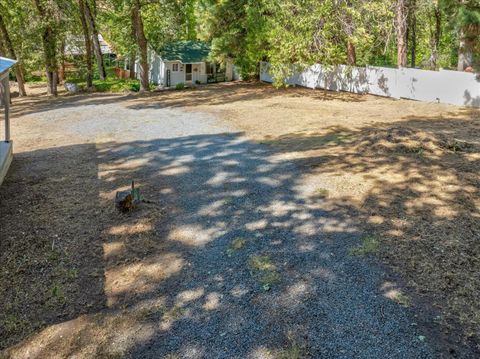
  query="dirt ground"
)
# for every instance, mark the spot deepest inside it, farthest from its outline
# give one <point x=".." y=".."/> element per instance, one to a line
<point x="408" y="171"/>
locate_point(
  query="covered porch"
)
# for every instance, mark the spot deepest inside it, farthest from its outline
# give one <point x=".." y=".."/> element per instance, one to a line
<point x="204" y="72"/>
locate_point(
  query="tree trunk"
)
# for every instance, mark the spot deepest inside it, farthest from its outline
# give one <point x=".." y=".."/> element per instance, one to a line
<point x="401" y="24"/>
<point x="133" y="51"/>
<point x="142" y="45"/>
<point x="88" y="44"/>
<point x="465" y="50"/>
<point x="413" y="26"/>
<point x="131" y="64"/>
<point x="61" y="73"/>
<point x="96" y="43"/>
<point x="11" y="53"/>
<point x="49" y="45"/>
<point x="49" y="50"/>
<point x="436" y="38"/>
<point x="351" y="53"/>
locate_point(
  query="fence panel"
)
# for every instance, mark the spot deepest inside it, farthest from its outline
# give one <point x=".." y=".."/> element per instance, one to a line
<point x="452" y="87"/>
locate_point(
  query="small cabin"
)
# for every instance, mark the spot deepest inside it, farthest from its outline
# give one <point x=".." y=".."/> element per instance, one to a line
<point x="188" y="63"/>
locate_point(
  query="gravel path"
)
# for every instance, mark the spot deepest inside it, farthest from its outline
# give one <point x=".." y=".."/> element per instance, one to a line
<point x="266" y="272"/>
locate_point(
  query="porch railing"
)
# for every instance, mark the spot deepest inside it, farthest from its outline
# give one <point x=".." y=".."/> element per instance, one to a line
<point x="216" y="77"/>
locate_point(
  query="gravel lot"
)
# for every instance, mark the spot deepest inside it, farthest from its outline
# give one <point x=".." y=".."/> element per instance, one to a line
<point x="233" y="256"/>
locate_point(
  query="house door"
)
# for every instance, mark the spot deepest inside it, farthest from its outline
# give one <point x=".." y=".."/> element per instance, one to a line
<point x="188" y="72"/>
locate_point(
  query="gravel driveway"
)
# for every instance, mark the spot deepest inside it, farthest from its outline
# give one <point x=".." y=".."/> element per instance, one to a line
<point x="260" y="270"/>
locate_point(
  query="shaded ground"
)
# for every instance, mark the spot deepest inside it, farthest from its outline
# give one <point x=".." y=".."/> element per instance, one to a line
<point x="247" y="250"/>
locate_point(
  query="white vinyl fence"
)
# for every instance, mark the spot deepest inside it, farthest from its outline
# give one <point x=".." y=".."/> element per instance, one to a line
<point x="452" y="87"/>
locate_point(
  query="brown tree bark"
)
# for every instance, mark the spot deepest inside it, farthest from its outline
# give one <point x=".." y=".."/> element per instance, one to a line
<point x="142" y="45"/>
<point x="61" y="72"/>
<point x="351" y="53"/>
<point x="49" y="49"/>
<point x="131" y="64"/>
<point x="96" y="43"/>
<point x="88" y="44"/>
<point x="401" y="24"/>
<point x="11" y="53"/>
<point x="435" y="41"/>
<point x="133" y="51"/>
<point x="467" y="42"/>
<point x="413" y="32"/>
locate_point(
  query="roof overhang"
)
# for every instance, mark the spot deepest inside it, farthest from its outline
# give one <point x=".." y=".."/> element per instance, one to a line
<point x="185" y="63"/>
<point x="5" y="65"/>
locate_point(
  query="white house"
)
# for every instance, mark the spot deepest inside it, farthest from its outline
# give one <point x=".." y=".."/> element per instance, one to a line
<point x="186" y="62"/>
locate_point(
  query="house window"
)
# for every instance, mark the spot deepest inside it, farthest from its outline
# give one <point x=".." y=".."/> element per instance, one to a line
<point x="175" y="67"/>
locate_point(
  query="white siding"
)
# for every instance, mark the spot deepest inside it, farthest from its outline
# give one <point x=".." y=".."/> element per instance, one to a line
<point x="159" y="69"/>
<point x="161" y="76"/>
<point x="176" y="77"/>
<point x="198" y="73"/>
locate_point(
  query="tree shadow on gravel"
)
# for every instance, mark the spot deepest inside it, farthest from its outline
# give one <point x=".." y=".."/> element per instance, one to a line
<point x="231" y="256"/>
<point x="415" y="188"/>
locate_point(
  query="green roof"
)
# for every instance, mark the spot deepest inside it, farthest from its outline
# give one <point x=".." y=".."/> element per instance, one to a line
<point x="185" y="51"/>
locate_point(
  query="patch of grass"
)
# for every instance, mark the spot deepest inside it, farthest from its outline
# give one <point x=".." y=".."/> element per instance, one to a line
<point x="54" y="256"/>
<point x="57" y="294"/>
<point x="111" y="84"/>
<point x="419" y="151"/>
<point x="35" y="78"/>
<point x="236" y="245"/>
<point x="269" y="279"/>
<point x="402" y="299"/>
<point x="456" y="146"/>
<point x="116" y="85"/>
<point x="261" y="263"/>
<point x="328" y="140"/>
<point x="71" y="274"/>
<point x="322" y="192"/>
<point x="12" y="324"/>
<point x="228" y="201"/>
<point x="180" y="86"/>
<point x="370" y="245"/>
<point x="338" y="138"/>
<point x="173" y="313"/>
<point x="294" y="350"/>
<point x="263" y="268"/>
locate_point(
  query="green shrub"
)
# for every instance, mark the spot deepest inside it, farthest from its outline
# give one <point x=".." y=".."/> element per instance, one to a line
<point x="180" y="86"/>
<point x="35" y="78"/>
